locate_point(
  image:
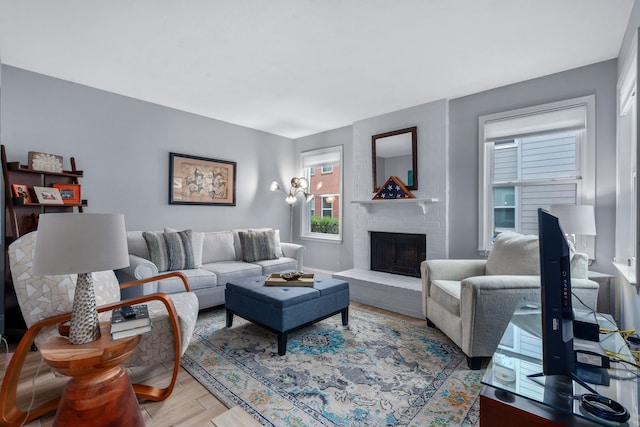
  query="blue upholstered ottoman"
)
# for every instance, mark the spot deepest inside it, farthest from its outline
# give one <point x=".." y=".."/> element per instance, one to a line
<point x="284" y="309"/>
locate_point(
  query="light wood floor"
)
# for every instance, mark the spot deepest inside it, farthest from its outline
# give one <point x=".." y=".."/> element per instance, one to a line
<point x="190" y="404"/>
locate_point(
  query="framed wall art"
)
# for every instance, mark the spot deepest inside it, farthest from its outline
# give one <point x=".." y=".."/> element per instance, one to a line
<point x="48" y="195"/>
<point x="44" y="162"/>
<point x="70" y="193"/>
<point x="22" y="191"/>
<point x="201" y="181"/>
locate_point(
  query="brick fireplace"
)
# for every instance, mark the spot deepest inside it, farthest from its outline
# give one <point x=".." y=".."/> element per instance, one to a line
<point x="398" y="253"/>
<point x="399" y="293"/>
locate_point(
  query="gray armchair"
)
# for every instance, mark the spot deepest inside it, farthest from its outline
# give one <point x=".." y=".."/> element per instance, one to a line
<point x="472" y="301"/>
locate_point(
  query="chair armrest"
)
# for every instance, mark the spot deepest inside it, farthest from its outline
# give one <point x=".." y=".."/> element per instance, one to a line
<point x="447" y="269"/>
<point x="10" y="415"/>
<point x="579" y="266"/>
<point x="293" y="250"/>
<point x="487" y="304"/>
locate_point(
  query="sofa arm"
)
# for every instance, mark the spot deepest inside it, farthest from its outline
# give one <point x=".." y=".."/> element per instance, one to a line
<point x="295" y="251"/>
<point x="139" y="268"/>
<point x="450" y="269"/>
<point x="447" y="269"/>
<point x="579" y="266"/>
<point x="487" y="304"/>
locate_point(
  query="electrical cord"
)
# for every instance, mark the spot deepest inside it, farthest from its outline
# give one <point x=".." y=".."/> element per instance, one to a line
<point x="605" y="408"/>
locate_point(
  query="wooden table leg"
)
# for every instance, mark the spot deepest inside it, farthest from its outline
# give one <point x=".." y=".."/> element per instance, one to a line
<point x="103" y="399"/>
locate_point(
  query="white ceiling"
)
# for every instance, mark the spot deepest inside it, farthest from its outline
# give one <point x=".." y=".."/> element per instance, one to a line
<point x="299" y="67"/>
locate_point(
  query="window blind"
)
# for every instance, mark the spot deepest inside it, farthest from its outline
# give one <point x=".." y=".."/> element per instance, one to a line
<point x="317" y="159"/>
<point x="562" y="119"/>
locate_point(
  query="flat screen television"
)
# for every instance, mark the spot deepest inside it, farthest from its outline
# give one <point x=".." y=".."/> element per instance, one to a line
<point x="555" y="298"/>
<point x="557" y="320"/>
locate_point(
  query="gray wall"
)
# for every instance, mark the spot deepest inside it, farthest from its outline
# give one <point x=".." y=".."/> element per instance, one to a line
<point x="598" y="79"/>
<point x="629" y="300"/>
<point x="123" y="146"/>
<point x="325" y="255"/>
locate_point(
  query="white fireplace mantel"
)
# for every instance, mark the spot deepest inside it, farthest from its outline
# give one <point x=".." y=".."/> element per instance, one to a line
<point x="395" y="203"/>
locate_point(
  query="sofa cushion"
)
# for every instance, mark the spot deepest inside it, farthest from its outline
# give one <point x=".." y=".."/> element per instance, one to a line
<point x="227" y="271"/>
<point x="170" y="251"/>
<point x="217" y="246"/>
<point x="447" y="294"/>
<point x="277" y="265"/>
<point x="198" y="278"/>
<point x="257" y="245"/>
<point x="514" y="254"/>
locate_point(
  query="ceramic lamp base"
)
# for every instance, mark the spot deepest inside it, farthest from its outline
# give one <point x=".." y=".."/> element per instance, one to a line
<point x="85" y="326"/>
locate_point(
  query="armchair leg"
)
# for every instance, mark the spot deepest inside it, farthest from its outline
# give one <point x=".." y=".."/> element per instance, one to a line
<point x="430" y="324"/>
<point x="474" y="363"/>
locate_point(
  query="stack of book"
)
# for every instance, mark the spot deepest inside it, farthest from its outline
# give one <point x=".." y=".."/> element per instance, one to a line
<point x="128" y="321"/>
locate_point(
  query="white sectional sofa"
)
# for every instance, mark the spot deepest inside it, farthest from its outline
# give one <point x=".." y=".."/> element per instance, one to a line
<point x="215" y="258"/>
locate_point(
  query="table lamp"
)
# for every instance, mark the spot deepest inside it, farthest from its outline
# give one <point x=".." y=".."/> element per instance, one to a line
<point x="81" y="243"/>
<point x="575" y="219"/>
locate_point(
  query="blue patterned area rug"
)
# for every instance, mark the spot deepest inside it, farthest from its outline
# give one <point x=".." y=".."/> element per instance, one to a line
<point x="378" y="371"/>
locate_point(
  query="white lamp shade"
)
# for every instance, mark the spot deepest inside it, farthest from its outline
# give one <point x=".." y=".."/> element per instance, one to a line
<point x="70" y="243"/>
<point x="575" y="219"/>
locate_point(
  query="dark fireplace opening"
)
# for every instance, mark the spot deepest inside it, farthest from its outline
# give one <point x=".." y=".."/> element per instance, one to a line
<point x="398" y="253"/>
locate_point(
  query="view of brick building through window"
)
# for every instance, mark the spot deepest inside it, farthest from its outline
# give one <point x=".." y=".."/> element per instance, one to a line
<point x="324" y="183"/>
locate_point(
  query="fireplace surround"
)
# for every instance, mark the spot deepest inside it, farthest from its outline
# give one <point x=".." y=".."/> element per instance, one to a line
<point x="398" y="253"/>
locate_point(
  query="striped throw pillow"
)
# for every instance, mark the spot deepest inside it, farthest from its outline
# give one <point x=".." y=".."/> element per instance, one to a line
<point x="258" y="245"/>
<point x="170" y="251"/>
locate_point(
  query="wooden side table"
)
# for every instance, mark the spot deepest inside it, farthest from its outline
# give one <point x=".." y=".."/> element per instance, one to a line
<point x="99" y="392"/>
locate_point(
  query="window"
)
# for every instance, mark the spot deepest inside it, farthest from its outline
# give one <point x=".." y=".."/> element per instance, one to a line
<point x="533" y="158"/>
<point x="327" y="206"/>
<point x="323" y="218"/>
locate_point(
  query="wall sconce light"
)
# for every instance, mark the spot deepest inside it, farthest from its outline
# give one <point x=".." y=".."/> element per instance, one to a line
<point x="299" y="186"/>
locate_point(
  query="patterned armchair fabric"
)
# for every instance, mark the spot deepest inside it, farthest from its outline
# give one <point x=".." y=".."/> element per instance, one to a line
<point x="42" y="298"/>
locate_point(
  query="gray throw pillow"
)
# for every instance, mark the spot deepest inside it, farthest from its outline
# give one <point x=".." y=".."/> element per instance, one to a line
<point x="257" y="245"/>
<point x="170" y="251"/>
<point x="514" y="254"/>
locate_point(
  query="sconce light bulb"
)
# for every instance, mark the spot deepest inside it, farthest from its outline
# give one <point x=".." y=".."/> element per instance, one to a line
<point x="303" y="183"/>
<point x="309" y="197"/>
<point x="273" y="186"/>
<point x="291" y="199"/>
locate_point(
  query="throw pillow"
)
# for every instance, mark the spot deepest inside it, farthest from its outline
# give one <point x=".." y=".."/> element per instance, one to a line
<point x="258" y="245"/>
<point x="157" y="249"/>
<point x="197" y="240"/>
<point x="238" y="245"/>
<point x="514" y="254"/>
<point x="179" y="250"/>
<point x="170" y="251"/>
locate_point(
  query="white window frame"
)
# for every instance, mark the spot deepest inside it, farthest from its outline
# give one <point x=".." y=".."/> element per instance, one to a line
<point x="585" y="159"/>
<point x="305" y="220"/>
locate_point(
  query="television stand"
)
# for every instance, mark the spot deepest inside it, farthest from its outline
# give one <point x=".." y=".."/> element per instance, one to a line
<point x="514" y="392"/>
<point x="571" y="376"/>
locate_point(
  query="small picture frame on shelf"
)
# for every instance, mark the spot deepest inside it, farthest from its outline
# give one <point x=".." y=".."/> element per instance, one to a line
<point x="48" y="195"/>
<point x="45" y="162"/>
<point x="21" y="191"/>
<point x="70" y="193"/>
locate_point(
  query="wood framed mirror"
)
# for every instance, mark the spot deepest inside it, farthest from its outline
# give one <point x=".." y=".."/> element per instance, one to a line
<point x="395" y="154"/>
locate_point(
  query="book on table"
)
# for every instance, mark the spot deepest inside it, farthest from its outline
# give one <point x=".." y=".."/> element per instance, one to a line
<point x="122" y="320"/>
<point x="130" y="332"/>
